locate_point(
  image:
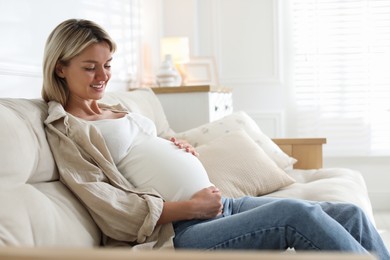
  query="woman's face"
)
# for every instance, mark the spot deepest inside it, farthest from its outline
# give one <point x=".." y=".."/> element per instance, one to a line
<point x="87" y="74"/>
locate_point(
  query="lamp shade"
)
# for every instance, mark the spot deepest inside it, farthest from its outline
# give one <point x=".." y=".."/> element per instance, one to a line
<point x="177" y="47"/>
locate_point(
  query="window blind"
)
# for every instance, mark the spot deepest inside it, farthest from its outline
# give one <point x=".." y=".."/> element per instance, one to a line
<point x="341" y="73"/>
<point x="122" y="20"/>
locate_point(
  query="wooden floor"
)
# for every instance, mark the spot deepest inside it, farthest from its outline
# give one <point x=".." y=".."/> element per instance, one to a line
<point x="382" y="219"/>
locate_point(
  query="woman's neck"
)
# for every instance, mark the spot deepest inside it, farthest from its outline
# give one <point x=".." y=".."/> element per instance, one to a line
<point x="90" y="110"/>
<point x="84" y="109"/>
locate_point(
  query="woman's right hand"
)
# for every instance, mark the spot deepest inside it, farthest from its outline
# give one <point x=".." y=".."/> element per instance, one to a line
<point x="207" y="203"/>
<point x="204" y="204"/>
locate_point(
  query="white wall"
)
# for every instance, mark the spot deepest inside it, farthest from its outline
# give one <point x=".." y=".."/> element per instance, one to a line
<point x="242" y="37"/>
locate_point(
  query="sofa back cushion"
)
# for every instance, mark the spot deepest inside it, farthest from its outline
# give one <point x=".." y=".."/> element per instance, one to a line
<point x="25" y="154"/>
<point x="37" y="209"/>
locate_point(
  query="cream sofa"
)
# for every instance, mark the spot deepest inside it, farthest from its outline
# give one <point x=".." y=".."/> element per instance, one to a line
<point x="37" y="210"/>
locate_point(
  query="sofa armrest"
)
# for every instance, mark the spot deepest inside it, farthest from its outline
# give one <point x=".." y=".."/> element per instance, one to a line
<point x="308" y="151"/>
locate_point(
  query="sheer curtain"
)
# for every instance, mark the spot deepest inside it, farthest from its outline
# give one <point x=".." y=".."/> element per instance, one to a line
<point x="340" y="65"/>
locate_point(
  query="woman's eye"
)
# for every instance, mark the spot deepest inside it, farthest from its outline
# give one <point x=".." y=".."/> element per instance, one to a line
<point x="89" y="69"/>
<point x="108" y="66"/>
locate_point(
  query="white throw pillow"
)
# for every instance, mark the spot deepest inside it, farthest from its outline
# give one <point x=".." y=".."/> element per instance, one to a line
<point x="236" y="121"/>
<point x="239" y="167"/>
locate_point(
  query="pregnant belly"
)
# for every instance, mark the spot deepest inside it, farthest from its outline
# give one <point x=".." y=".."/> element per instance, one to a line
<point x="158" y="163"/>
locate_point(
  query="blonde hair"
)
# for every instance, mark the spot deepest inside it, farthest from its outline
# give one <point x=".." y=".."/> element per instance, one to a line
<point x="65" y="42"/>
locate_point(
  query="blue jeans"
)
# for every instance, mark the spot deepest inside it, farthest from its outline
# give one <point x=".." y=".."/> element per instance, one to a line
<point x="278" y="224"/>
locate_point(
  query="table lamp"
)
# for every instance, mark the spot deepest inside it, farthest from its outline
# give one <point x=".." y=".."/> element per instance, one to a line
<point x="175" y="50"/>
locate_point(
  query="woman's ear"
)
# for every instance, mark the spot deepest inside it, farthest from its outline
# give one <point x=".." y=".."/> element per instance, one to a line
<point x="59" y="70"/>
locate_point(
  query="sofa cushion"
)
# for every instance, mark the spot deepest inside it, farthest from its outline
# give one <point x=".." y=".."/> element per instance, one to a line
<point x="44" y="214"/>
<point x="36" y="209"/>
<point x="25" y="153"/>
<point x="239" y="167"/>
<point x="328" y="184"/>
<point x="18" y="154"/>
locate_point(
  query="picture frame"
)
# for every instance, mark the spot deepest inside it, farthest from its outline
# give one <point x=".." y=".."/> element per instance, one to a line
<point x="200" y="71"/>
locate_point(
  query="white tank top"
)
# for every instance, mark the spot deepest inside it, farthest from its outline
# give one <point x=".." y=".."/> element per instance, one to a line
<point x="146" y="160"/>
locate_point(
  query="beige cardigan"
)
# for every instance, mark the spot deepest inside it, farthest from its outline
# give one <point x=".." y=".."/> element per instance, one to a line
<point x="123" y="212"/>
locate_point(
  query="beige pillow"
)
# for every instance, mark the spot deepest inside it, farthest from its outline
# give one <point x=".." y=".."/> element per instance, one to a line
<point x="239" y="167"/>
<point x="233" y="122"/>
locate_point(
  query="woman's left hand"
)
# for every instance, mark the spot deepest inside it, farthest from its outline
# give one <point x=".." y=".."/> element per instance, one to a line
<point x="183" y="144"/>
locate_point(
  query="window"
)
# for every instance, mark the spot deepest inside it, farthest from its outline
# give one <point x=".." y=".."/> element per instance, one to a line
<point x="122" y="19"/>
<point x="341" y="73"/>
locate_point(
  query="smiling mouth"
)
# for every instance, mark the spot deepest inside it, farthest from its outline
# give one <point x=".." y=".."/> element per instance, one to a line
<point x="98" y="86"/>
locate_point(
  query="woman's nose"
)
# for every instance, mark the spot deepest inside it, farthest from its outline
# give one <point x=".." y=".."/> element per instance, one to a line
<point x="101" y="74"/>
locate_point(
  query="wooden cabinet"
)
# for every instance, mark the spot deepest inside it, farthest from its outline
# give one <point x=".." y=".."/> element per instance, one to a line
<point x="191" y="106"/>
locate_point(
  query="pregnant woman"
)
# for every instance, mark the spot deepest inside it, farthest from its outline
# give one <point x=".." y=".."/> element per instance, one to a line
<point x="142" y="158"/>
<point x="148" y="192"/>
